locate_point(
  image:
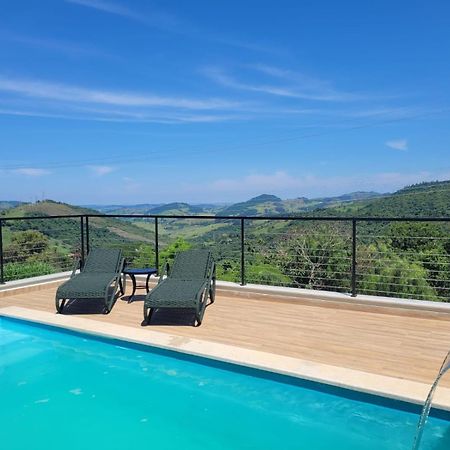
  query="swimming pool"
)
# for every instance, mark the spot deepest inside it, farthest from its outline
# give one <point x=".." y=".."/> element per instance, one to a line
<point x="61" y="389"/>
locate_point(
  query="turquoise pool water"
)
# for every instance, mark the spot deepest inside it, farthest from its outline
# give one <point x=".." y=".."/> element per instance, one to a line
<point x="60" y="390"/>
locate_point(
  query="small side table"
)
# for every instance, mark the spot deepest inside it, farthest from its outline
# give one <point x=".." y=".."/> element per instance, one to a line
<point x="132" y="274"/>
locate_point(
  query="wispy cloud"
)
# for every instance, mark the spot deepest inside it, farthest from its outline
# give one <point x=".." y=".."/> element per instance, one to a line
<point x="398" y="144"/>
<point x="169" y="22"/>
<point x="69" y="93"/>
<point x="282" y="83"/>
<point x="155" y="18"/>
<point x="55" y="45"/>
<point x="31" y="171"/>
<point x="125" y="117"/>
<point x="108" y="7"/>
<point x="101" y="170"/>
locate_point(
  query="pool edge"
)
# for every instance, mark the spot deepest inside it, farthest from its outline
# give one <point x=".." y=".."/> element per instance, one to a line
<point x="379" y="385"/>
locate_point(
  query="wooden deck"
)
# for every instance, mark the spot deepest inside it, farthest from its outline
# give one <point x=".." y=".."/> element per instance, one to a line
<point x="394" y="342"/>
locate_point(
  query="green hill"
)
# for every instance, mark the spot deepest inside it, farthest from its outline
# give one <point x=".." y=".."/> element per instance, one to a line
<point x="177" y="209"/>
<point x="261" y="205"/>
<point x="419" y="200"/>
<point x="142" y="208"/>
<point x="63" y="229"/>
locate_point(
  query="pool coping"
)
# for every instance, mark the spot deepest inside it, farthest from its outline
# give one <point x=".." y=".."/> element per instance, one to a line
<point x="365" y="382"/>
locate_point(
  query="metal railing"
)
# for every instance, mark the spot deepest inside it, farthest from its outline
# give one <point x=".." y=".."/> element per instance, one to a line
<point x="353" y="255"/>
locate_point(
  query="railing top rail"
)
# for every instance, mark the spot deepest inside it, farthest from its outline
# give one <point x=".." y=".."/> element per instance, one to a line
<point x="62" y="216"/>
<point x="219" y="217"/>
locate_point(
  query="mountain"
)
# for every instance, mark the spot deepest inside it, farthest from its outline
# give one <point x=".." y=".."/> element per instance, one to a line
<point x="142" y="208"/>
<point x="264" y="204"/>
<point x="272" y="205"/>
<point x="177" y="209"/>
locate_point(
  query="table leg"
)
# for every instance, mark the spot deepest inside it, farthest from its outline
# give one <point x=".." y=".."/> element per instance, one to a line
<point x="146" y="283"/>
<point x="133" y="280"/>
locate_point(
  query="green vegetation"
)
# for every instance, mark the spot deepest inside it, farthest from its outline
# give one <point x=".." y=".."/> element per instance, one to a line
<point x="17" y="271"/>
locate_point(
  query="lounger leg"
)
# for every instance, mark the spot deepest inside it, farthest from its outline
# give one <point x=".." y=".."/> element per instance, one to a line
<point x="60" y="305"/>
<point x="212" y="287"/>
<point x="148" y="312"/>
<point x="110" y="299"/>
<point x="201" y="306"/>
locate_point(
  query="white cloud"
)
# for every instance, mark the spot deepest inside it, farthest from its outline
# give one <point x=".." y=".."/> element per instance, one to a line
<point x="127" y="117"/>
<point x="108" y="7"/>
<point x="398" y="144"/>
<point x="101" y="170"/>
<point x="156" y="18"/>
<point x="75" y="94"/>
<point x="31" y="171"/>
<point x="57" y="45"/>
<point x="293" y="85"/>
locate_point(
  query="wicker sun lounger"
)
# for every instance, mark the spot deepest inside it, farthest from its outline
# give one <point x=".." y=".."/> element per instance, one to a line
<point x="188" y="285"/>
<point x="99" y="278"/>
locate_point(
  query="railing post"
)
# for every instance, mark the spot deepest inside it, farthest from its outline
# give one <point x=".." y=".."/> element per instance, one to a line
<point x="87" y="235"/>
<point x="354" y="258"/>
<point x="2" y="273"/>
<point x="242" y="252"/>
<point x="156" y="247"/>
<point x="82" y="239"/>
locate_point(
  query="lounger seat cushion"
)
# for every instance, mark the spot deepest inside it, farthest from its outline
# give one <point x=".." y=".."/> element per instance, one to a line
<point x="86" y="285"/>
<point x="175" y="293"/>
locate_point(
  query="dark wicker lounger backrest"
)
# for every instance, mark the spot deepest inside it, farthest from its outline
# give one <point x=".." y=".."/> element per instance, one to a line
<point x="191" y="265"/>
<point x="104" y="260"/>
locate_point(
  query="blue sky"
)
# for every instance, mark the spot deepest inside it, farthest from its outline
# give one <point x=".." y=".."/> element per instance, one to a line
<point x="114" y="101"/>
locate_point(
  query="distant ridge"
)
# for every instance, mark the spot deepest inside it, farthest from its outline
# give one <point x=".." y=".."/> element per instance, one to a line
<point x="262" y="204"/>
<point x="431" y="199"/>
<point x="177" y="208"/>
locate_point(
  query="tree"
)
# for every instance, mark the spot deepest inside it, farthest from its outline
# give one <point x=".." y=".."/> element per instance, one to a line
<point x="144" y="256"/>
<point x="314" y="257"/>
<point x="383" y="272"/>
<point x="168" y="254"/>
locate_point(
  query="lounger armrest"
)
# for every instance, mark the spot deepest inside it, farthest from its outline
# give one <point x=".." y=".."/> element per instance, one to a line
<point x="116" y="278"/>
<point x="122" y="266"/>
<point x="76" y="266"/>
<point x="165" y="272"/>
<point x="212" y="274"/>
